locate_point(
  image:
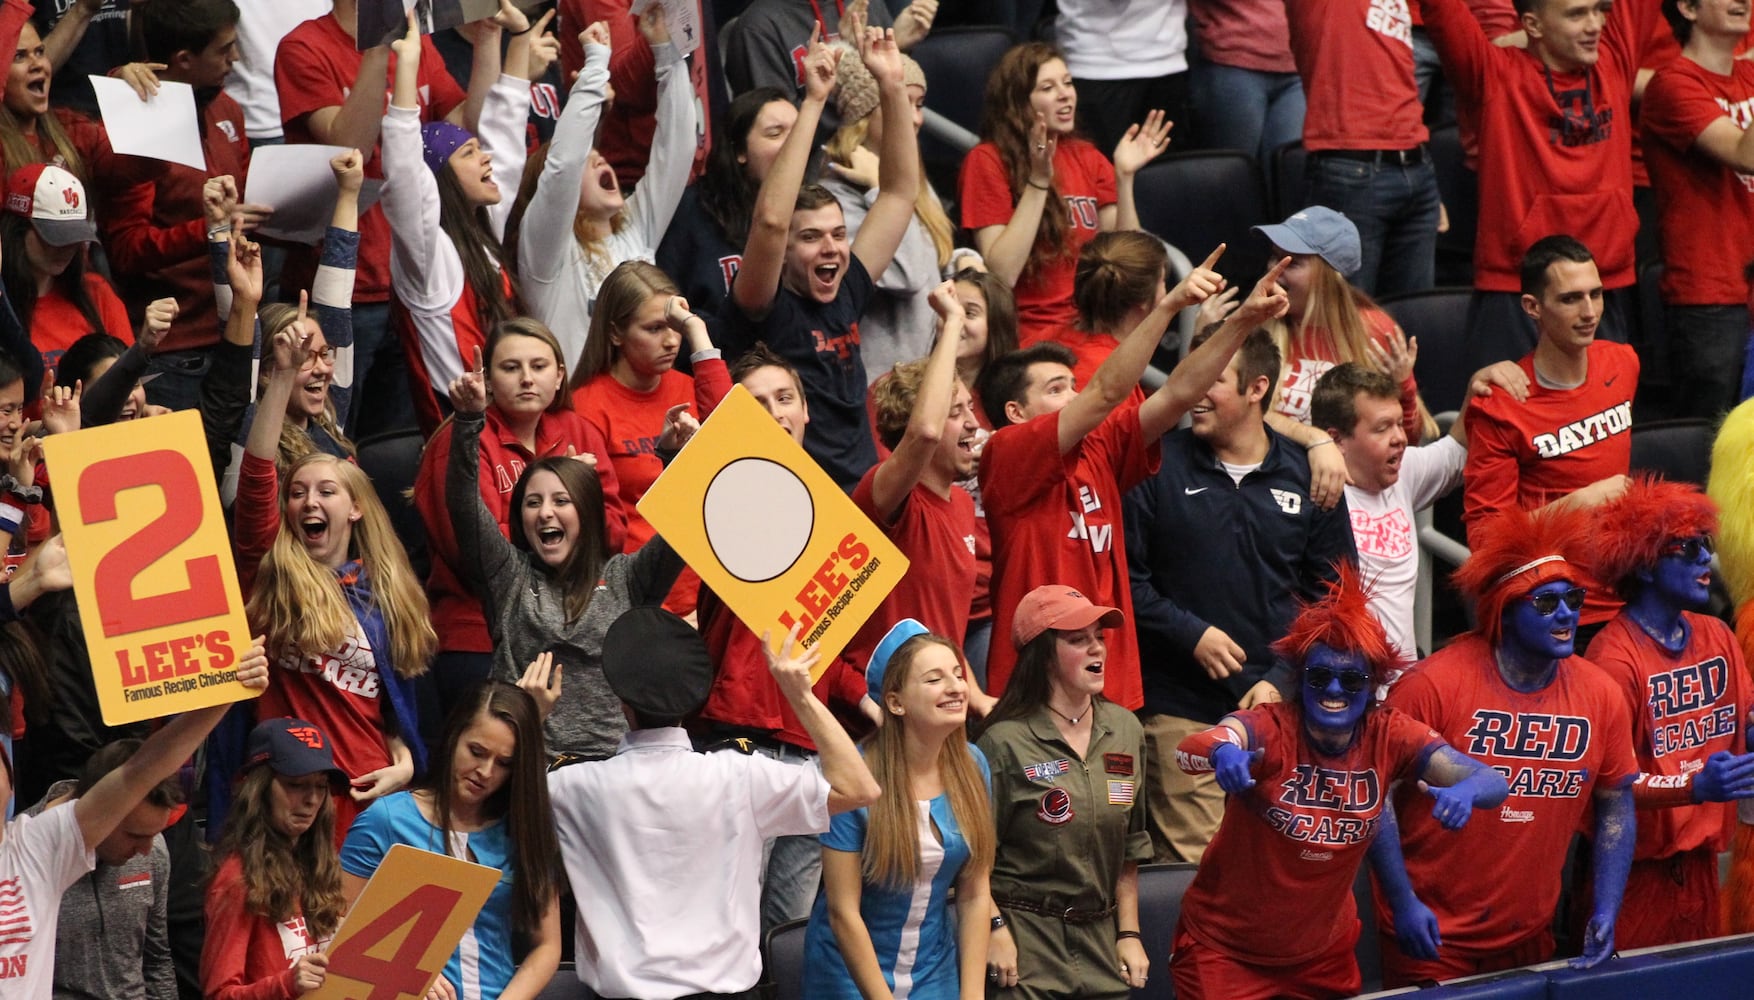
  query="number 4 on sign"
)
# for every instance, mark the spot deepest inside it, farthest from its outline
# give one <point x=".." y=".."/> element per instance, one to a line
<point x="404" y="926"/>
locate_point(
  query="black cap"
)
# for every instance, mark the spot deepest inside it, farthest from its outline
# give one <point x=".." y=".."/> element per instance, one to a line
<point x="293" y="748"/>
<point x="657" y="663"/>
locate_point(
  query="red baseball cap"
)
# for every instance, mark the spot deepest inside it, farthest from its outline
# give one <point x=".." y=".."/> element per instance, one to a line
<point x="1057" y="607"/>
<point x="54" y="201"/>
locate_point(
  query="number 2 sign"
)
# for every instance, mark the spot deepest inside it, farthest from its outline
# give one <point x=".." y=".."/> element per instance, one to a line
<point x="404" y="926"/>
<point x="152" y="568"/>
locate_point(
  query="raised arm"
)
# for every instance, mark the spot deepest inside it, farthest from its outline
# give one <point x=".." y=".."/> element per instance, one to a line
<point x="332" y="291"/>
<point x="410" y="192"/>
<point x="897" y="475"/>
<point x="354" y="123"/>
<point x="1142" y="144"/>
<point x="898" y="170"/>
<point x="850" y="784"/>
<point x="289" y="348"/>
<point x="483" y="552"/>
<point x="764" y="255"/>
<point x="1120" y="371"/>
<point x="654" y="201"/>
<point x="1006" y="248"/>
<point x="545" y="236"/>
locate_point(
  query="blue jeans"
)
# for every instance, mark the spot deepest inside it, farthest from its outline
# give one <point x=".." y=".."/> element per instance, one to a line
<point x="381" y="400"/>
<point x="792" y="868"/>
<point x="1245" y="109"/>
<point x="1707" y="345"/>
<point x="178" y="385"/>
<point x="1395" y="208"/>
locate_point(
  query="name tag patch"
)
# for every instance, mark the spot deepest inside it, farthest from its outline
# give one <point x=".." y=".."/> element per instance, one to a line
<point x="1117" y="763"/>
<point x="1047" y="770"/>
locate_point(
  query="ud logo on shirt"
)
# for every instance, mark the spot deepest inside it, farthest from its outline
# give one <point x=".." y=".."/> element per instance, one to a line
<point x="1288" y="501"/>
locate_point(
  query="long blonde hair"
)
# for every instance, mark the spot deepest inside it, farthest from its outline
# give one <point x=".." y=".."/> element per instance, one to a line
<point x="298" y="601"/>
<point x="891" y="856"/>
<point x="927" y="208"/>
<point x="1335" y="310"/>
<point x="282" y="877"/>
<point x="295" y="442"/>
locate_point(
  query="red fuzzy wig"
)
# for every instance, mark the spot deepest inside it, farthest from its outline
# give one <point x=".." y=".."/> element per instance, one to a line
<point x="1631" y="533"/>
<point x="1516" y="551"/>
<point x="1342" y="621"/>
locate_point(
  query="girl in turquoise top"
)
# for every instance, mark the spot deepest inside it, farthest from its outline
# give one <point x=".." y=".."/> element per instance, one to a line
<point x="881" y="927"/>
<point x="485" y="800"/>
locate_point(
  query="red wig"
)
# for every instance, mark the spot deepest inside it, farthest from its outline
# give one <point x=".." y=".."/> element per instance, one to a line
<point x="1631" y="533"/>
<point x="1516" y="551"/>
<point x="1342" y="621"/>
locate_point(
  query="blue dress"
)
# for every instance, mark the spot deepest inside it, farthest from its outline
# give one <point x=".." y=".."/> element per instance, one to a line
<point x="911" y="928"/>
<point x="482" y="965"/>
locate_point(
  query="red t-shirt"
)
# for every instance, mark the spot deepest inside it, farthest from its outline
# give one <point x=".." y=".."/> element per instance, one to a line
<point x="1556" y="148"/>
<point x="744" y="695"/>
<point x="1085" y="179"/>
<point x="314" y="68"/>
<point x="1703" y="207"/>
<point x="631" y="422"/>
<point x="1685" y="707"/>
<point x="1531" y="453"/>
<point x="245" y="956"/>
<point x="937" y="534"/>
<point x="1495" y="882"/>
<point x="1310" y="356"/>
<point x="1356" y="61"/>
<point x="1056" y="519"/>
<point x="456" y="613"/>
<point x="1292" y="844"/>
<point x="56" y="322"/>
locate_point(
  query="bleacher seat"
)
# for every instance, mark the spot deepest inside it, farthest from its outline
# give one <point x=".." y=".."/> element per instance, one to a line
<point x="1520" y="984"/>
<point x="1198" y="200"/>
<point x="564" y="986"/>
<point x="1289" y="161"/>
<point x="392" y="461"/>
<point x="783" y="959"/>
<point x="957" y="62"/>
<point x="1160" y="906"/>
<point x="1677" y="449"/>
<point x="1438" y="317"/>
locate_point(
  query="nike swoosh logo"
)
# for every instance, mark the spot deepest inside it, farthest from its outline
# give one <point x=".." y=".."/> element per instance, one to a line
<point x="1610" y="381"/>
<point x="1191" y="492"/>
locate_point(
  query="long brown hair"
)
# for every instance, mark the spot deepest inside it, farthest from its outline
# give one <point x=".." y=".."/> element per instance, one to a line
<point x="522" y="800"/>
<point x="579" y="574"/>
<point x="295" y="442"/>
<point x="621" y="296"/>
<point x="891" y="856"/>
<point x="726" y="191"/>
<point x="283" y="877"/>
<point x="470" y="233"/>
<point x="1005" y="123"/>
<point x="298" y="601"/>
<point x="1029" y="686"/>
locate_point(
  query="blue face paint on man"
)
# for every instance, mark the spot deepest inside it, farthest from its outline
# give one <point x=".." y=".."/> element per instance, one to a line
<point x="1336" y="691"/>
<point x="1681" y="577"/>
<point x="1541" y="626"/>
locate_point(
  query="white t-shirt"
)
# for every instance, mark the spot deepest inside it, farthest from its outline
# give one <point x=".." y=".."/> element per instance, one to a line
<point x="1123" y="39"/>
<point x="1387" y="540"/>
<point x="261" y="26"/>
<point x="41" y="856"/>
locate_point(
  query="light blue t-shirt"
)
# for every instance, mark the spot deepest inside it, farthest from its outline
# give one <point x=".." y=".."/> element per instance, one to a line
<point x="481" y="966"/>
<point x="910" y="928"/>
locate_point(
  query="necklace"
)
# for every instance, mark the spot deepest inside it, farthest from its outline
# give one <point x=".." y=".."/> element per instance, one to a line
<point x="1072" y="719"/>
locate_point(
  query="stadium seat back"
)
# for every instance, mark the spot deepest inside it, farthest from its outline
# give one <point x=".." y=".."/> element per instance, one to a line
<point x="957" y="62"/>
<point x="784" y="954"/>
<point x="1198" y="200"/>
<point x="1160" y="906"/>
<point x="1676" y="449"/>
<point x="1439" y="318"/>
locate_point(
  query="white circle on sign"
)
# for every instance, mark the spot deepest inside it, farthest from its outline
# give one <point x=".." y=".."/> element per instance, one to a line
<point x="759" y="517"/>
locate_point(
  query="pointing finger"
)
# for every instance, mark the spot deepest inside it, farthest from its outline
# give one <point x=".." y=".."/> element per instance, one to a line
<point x="1212" y="258"/>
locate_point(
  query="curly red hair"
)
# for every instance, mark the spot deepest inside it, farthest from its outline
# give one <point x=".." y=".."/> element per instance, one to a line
<point x="1342" y="621"/>
<point x="1516" y="551"/>
<point x="1631" y="533"/>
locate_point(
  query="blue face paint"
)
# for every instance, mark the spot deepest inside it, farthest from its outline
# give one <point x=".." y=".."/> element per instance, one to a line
<point x="1336" y="689"/>
<point x="1682" y="575"/>
<point x="1533" y="636"/>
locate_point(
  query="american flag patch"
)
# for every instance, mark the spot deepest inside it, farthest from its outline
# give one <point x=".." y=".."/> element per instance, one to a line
<point x="1120" y="793"/>
<point x="1047" y="769"/>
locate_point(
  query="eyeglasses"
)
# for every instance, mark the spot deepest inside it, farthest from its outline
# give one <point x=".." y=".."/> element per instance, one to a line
<point x="312" y="357"/>
<point x="1351" y="681"/>
<point x="1689" y="550"/>
<point x="1546" y="604"/>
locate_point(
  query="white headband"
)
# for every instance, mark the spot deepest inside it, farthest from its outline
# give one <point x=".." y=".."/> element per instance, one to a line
<point x="1525" y="567"/>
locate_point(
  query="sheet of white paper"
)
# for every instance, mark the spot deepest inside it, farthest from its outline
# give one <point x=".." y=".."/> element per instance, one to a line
<point x="680" y="17"/>
<point x="296" y="182"/>
<point x="163" y="128"/>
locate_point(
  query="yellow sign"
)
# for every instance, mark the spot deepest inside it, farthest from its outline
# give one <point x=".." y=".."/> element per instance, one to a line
<point x="152" y="567"/>
<point x="404" y="926"/>
<point x="767" y="529"/>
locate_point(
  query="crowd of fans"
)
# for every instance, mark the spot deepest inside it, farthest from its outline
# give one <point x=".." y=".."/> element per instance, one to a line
<point x="1148" y="619"/>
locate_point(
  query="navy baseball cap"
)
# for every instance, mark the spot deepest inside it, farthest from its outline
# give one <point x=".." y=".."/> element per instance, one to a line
<point x="293" y="748"/>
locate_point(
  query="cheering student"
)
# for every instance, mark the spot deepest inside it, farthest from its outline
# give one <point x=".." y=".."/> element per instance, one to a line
<point x="1271" y="911"/>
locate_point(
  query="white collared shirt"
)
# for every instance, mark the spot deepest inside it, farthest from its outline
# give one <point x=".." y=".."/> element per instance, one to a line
<point x="663" y="848"/>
